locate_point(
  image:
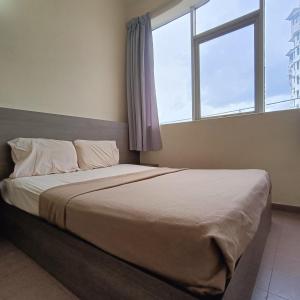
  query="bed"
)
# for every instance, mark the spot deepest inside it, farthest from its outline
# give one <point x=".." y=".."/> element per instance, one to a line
<point x="157" y="240"/>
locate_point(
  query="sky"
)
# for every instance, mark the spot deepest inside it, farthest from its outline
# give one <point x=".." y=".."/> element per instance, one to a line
<point x="227" y="72"/>
<point x="226" y="63"/>
<point x="172" y="70"/>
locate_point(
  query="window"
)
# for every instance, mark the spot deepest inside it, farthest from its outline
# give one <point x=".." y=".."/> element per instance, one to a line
<point x="228" y="57"/>
<point x="172" y="67"/>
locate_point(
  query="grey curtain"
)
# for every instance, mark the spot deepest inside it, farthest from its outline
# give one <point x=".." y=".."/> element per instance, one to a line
<point x="144" y="132"/>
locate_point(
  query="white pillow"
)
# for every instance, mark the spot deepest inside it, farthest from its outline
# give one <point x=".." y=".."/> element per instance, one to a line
<point x="96" y="154"/>
<point x="34" y="157"/>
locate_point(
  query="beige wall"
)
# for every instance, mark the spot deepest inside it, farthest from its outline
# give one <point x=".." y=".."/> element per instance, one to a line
<point x="269" y="141"/>
<point x="63" y="56"/>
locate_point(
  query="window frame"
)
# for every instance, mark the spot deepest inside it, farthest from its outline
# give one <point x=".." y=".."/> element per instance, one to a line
<point x="219" y="31"/>
<point x="255" y="18"/>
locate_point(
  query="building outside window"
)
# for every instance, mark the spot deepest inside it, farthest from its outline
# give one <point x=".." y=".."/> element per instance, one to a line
<point x="294" y="40"/>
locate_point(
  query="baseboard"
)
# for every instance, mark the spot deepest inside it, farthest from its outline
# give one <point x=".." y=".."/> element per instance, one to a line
<point x="287" y="208"/>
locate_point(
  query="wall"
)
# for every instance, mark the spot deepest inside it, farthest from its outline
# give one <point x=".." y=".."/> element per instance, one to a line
<point x="63" y="56"/>
<point x="269" y="141"/>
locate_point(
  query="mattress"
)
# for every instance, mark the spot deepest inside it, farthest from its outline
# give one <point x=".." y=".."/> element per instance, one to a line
<point x="24" y="192"/>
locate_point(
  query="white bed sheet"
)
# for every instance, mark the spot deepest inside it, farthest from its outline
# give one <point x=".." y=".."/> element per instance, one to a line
<point x="24" y="192"/>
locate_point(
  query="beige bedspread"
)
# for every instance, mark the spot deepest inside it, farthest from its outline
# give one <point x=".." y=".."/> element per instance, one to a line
<point x="190" y="226"/>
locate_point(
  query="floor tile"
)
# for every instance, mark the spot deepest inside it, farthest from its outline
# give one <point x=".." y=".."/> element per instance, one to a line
<point x="285" y="280"/>
<point x="259" y="294"/>
<point x="289" y="247"/>
<point x="264" y="277"/>
<point x="22" y="279"/>
<point x="275" y="297"/>
<point x="279" y="274"/>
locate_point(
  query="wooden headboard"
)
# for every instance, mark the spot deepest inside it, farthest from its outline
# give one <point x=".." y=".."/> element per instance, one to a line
<point x="19" y="123"/>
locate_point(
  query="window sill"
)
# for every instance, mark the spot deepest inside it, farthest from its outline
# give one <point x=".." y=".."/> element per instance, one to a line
<point x="241" y="115"/>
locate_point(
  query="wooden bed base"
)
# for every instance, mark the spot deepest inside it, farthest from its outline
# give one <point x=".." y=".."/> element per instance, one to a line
<point x="91" y="273"/>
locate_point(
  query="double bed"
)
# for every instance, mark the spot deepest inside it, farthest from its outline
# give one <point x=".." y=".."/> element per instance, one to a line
<point x="138" y="232"/>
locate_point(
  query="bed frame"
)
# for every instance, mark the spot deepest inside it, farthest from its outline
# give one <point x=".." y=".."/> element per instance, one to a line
<point x="87" y="271"/>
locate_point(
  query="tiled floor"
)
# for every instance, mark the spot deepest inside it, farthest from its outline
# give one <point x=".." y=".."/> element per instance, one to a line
<point x="278" y="278"/>
<point x="279" y="275"/>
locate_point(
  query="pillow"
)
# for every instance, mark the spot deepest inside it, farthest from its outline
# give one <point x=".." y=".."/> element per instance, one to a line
<point x="96" y="154"/>
<point x="34" y="157"/>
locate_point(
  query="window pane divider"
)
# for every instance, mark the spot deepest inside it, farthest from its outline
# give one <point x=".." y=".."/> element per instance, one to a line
<point x="260" y="60"/>
<point x="195" y="96"/>
<point x="228" y="27"/>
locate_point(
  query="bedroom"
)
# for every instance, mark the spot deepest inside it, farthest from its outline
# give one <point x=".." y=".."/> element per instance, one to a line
<point x="146" y="104"/>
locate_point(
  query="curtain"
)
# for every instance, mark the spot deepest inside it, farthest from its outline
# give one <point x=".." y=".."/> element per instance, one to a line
<point x="144" y="132"/>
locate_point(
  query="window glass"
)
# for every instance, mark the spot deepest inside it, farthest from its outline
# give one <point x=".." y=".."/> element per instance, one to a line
<point x="172" y="68"/>
<point x="282" y="54"/>
<point x="227" y="73"/>
<point x="218" y="12"/>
